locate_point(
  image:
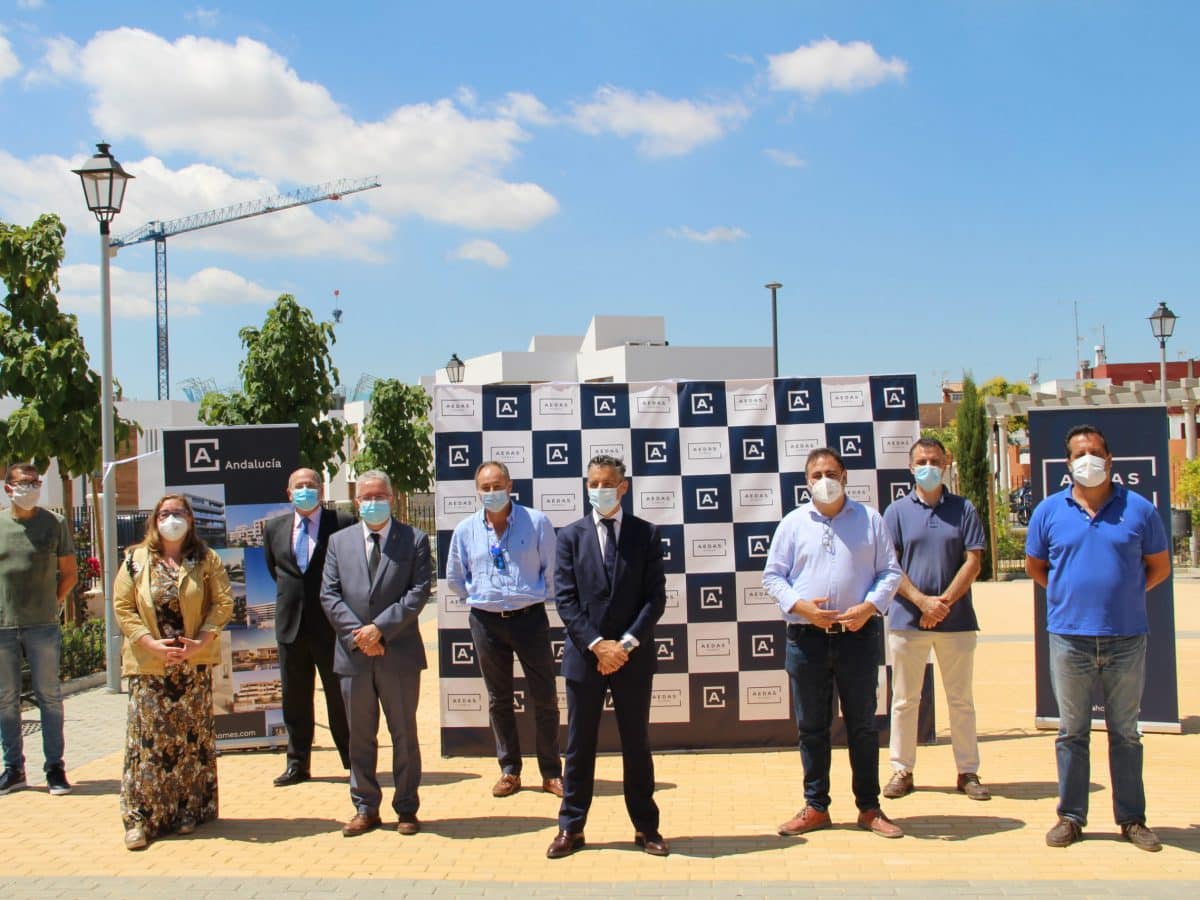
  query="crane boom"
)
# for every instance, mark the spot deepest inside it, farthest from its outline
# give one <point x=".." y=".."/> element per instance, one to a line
<point x="158" y="232"/>
<point x="330" y="190"/>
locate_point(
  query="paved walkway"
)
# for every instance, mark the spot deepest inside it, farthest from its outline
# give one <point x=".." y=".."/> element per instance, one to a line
<point x="719" y="811"/>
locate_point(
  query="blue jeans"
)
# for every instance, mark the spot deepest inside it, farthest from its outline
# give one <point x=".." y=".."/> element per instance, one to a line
<point x="42" y="647"/>
<point x="1118" y="666"/>
<point x="815" y="662"/>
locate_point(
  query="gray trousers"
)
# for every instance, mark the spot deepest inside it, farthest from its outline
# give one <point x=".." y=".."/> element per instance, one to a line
<point x="397" y="693"/>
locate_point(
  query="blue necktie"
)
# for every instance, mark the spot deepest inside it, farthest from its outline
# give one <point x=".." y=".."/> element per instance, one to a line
<point x="610" y="549"/>
<point x="302" y="545"/>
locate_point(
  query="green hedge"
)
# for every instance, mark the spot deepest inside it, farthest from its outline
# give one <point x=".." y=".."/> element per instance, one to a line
<point x="82" y="649"/>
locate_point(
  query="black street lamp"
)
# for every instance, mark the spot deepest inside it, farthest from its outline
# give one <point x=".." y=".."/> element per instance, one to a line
<point x="1162" y="326"/>
<point x="104" y="184"/>
<point x="455" y="368"/>
<point x="773" y="287"/>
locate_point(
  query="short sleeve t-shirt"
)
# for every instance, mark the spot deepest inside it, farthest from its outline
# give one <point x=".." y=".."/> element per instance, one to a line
<point x="29" y="552"/>
<point x="1097" y="580"/>
<point x="930" y="542"/>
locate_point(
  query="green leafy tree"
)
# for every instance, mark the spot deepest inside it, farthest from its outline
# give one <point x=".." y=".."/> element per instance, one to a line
<point x="999" y="387"/>
<point x="974" y="480"/>
<point x="1187" y="488"/>
<point x="287" y="377"/>
<point x="398" y="439"/>
<point x="43" y="361"/>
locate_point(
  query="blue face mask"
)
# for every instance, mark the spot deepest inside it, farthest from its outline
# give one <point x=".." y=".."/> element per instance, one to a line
<point x="493" y="501"/>
<point x="304" y="499"/>
<point x="603" y="499"/>
<point x="928" y="477"/>
<point x="374" y="512"/>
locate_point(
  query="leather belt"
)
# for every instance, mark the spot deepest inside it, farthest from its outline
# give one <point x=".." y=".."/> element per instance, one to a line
<point x="508" y="613"/>
<point x="835" y="628"/>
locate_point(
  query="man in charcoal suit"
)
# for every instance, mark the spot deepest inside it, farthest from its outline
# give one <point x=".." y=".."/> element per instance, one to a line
<point x="294" y="548"/>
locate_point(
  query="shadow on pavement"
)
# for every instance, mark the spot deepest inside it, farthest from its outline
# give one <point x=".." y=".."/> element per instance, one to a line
<point x="1011" y="790"/>
<point x="1190" y="724"/>
<point x="1013" y="734"/>
<point x="716" y="846"/>
<point x="955" y="828"/>
<point x="606" y="788"/>
<point x="431" y="778"/>
<point x="1183" y="838"/>
<point x="264" y="831"/>
<point x="488" y="826"/>
<point x="97" y="788"/>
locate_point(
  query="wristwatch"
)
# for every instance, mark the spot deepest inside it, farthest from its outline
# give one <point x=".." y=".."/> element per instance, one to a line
<point x="627" y="644"/>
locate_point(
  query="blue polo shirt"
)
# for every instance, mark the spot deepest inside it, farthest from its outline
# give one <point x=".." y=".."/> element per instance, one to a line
<point x="930" y="542"/>
<point x="1097" y="580"/>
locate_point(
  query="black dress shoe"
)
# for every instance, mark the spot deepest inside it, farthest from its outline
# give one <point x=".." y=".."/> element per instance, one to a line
<point x="652" y="844"/>
<point x="564" y="844"/>
<point x="293" y="774"/>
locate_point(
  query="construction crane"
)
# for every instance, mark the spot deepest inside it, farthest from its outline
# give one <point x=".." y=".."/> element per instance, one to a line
<point x="159" y="232"/>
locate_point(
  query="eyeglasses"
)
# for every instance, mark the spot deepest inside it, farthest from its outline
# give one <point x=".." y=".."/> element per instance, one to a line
<point x="164" y="514"/>
<point x="827" y="539"/>
<point x="498" y="559"/>
<point x="27" y="484"/>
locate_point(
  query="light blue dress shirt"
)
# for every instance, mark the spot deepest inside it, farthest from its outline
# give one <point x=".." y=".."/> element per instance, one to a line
<point x="848" y="558"/>
<point x="527" y="546"/>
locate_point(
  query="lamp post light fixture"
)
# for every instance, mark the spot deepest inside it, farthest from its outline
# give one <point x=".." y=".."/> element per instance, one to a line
<point x="1162" y="326"/>
<point x="455" y="368"/>
<point x="773" y="287"/>
<point x="104" y="184"/>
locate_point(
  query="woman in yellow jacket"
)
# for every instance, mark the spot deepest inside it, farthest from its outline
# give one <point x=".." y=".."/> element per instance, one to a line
<point x="171" y="599"/>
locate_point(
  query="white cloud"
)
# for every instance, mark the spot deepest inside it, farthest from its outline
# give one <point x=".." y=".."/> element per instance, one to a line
<point x="203" y="16"/>
<point x="720" y="234"/>
<point x="133" y="292"/>
<point x="45" y="183"/>
<point x="665" y="127"/>
<point x="241" y="106"/>
<point x="785" y="158"/>
<point x="480" y="251"/>
<point x="9" y="64"/>
<point x="30" y="4"/>
<point x="523" y="107"/>
<point x="826" y="65"/>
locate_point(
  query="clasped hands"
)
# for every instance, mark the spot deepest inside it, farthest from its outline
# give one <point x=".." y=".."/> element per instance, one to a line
<point x="610" y="656"/>
<point x="369" y="640"/>
<point x="933" y="609"/>
<point x="853" y="619"/>
<point x="172" y="651"/>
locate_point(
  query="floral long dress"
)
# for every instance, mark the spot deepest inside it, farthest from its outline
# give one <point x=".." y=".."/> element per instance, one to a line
<point x="171" y="740"/>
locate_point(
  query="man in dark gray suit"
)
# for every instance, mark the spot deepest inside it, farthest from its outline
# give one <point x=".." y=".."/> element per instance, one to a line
<point x="611" y="591"/>
<point x="375" y="583"/>
<point x="294" y="549"/>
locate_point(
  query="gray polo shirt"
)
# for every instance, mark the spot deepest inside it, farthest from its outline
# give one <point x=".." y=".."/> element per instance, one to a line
<point x="29" y="552"/>
<point x="930" y="542"/>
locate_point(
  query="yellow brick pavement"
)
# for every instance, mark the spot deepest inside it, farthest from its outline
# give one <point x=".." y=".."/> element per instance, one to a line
<point x="720" y="810"/>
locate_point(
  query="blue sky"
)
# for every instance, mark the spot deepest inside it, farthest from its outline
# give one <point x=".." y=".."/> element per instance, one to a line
<point x="935" y="184"/>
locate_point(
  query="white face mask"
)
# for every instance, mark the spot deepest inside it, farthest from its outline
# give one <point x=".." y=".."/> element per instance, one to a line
<point x="173" y="528"/>
<point x="1088" y="471"/>
<point x="24" y="496"/>
<point x="827" y="490"/>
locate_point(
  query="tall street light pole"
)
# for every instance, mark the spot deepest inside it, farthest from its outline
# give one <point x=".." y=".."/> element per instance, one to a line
<point x="104" y="184"/>
<point x="773" y="287"/>
<point x="1162" y="326"/>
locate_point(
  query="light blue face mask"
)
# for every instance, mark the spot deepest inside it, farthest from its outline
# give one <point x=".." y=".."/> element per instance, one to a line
<point x="493" y="501"/>
<point x="603" y="499"/>
<point x="374" y="512"/>
<point x="928" y="477"/>
<point x="304" y="499"/>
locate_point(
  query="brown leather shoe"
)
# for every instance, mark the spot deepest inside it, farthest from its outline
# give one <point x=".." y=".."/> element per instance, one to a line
<point x="408" y="824"/>
<point x="553" y="786"/>
<point x="1140" y="835"/>
<point x="901" y="785"/>
<point x="506" y="786"/>
<point x="808" y="819"/>
<point x="652" y="844"/>
<point x="1064" y="833"/>
<point x="361" y="824"/>
<point x="969" y="784"/>
<point x="875" y="821"/>
<point x="564" y="844"/>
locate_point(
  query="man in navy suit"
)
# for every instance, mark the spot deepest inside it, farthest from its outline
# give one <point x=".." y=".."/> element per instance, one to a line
<point x="294" y="548"/>
<point x="375" y="584"/>
<point x="611" y="590"/>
